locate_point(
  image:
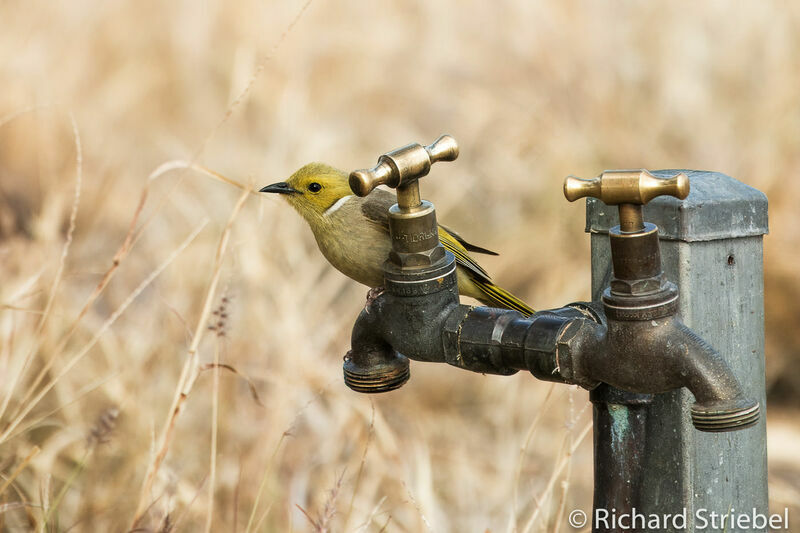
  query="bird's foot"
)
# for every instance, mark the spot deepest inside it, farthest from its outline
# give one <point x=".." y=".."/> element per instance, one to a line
<point x="373" y="295"/>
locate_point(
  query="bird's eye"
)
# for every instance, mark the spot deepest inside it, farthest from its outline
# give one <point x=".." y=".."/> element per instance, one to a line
<point x="314" y="187"/>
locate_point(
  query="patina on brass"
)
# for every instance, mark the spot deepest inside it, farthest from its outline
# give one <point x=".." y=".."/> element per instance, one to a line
<point x="412" y="221"/>
<point x="640" y="306"/>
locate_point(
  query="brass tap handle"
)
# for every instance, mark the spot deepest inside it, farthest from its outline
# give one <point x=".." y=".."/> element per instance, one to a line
<point x="403" y="166"/>
<point x="629" y="189"/>
<point x="445" y="148"/>
<point x="614" y="187"/>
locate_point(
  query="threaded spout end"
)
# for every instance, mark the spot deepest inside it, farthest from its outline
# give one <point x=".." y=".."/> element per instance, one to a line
<point x="717" y="418"/>
<point x="387" y="375"/>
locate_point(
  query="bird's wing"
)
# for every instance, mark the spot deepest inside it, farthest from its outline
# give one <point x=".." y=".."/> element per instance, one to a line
<point x="465" y="244"/>
<point x="454" y="246"/>
<point x="375" y="208"/>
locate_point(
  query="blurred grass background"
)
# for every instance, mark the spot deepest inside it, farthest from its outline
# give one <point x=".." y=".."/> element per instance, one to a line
<point x="100" y="94"/>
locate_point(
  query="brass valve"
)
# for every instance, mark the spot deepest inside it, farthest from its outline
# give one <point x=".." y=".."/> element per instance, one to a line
<point x="638" y="289"/>
<point x="400" y="169"/>
<point x="628" y="189"/>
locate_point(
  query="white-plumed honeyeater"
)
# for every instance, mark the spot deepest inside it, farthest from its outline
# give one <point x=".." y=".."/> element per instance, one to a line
<point x="353" y="233"/>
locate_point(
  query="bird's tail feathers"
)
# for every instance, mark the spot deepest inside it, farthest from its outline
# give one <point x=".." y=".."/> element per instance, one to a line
<point x="499" y="297"/>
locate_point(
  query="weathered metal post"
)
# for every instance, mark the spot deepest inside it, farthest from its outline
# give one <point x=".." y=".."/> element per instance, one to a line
<point x="648" y="456"/>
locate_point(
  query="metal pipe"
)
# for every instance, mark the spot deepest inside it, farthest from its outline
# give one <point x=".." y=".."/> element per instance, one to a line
<point x="434" y="327"/>
<point x="499" y="341"/>
<point x="575" y="344"/>
<point x="620" y="440"/>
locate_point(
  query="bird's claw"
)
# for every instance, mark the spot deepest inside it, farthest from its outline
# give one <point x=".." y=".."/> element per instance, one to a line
<point x="373" y="295"/>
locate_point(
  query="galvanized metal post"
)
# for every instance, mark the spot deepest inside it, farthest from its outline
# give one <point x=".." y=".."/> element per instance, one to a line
<point x="646" y="447"/>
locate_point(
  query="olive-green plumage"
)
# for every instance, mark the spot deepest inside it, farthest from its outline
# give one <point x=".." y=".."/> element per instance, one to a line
<point x="353" y="233"/>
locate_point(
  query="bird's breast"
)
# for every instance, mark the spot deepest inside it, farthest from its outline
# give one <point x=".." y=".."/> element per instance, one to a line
<point x="354" y="246"/>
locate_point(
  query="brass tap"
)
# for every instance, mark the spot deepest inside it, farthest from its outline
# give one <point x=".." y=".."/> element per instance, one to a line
<point x="647" y="348"/>
<point x="412" y="220"/>
<point x="418" y="266"/>
<point x="638" y="280"/>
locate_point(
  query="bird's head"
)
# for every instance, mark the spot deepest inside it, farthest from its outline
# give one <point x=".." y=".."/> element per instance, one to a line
<point x="313" y="189"/>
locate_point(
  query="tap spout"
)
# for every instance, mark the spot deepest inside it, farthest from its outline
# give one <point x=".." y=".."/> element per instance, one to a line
<point x="662" y="354"/>
<point x="372" y="365"/>
<point x="720" y="403"/>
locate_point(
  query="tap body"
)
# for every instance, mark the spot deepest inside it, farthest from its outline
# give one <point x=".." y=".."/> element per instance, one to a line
<point x="663" y="354"/>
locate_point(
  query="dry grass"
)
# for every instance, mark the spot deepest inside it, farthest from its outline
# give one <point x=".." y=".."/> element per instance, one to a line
<point x="111" y="277"/>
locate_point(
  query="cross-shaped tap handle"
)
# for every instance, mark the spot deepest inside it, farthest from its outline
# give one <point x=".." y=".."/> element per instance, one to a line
<point x="400" y="169"/>
<point x="628" y="189"/>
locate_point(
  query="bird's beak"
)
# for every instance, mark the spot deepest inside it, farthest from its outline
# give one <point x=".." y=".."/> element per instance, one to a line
<point x="280" y="188"/>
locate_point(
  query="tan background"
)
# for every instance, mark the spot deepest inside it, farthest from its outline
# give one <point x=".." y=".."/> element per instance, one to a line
<point x="533" y="91"/>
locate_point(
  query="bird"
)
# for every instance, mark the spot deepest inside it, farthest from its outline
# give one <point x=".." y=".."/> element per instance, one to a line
<point x="352" y="233"/>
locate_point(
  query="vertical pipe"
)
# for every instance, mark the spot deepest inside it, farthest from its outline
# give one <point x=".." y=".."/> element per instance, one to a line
<point x="620" y="435"/>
